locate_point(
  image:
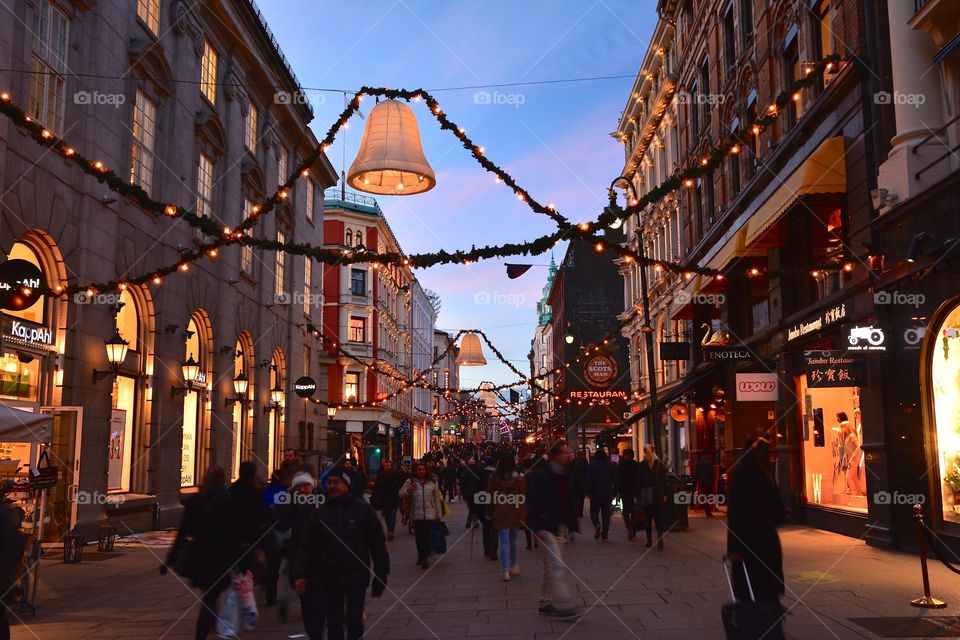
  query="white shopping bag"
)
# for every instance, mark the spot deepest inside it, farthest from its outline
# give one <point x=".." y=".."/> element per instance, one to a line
<point x="228" y="618"/>
<point x="243" y="586"/>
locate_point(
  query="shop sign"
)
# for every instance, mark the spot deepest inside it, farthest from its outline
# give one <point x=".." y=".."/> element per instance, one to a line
<point x="674" y="351"/>
<point x="353" y="426"/>
<point x="305" y="387"/>
<point x="600" y="371"/>
<point x="835" y="369"/>
<point x="20" y="284"/>
<point x="830" y="316"/>
<point x="913" y="336"/>
<point x="607" y="394"/>
<point x="26" y="332"/>
<point x="757" y="387"/>
<point x="866" y="338"/>
<point x="720" y="354"/>
<point x="679" y="412"/>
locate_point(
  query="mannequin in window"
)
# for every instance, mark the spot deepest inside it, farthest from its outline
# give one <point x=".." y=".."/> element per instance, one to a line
<point x="851" y="453"/>
<point x="861" y="469"/>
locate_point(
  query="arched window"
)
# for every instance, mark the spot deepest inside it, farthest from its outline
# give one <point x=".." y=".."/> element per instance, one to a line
<point x="128" y="323"/>
<point x="359" y="238"/>
<point x="349" y="238"/>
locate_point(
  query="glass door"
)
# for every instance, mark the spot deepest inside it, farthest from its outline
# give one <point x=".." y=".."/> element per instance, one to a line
<point x="65" y="454"/>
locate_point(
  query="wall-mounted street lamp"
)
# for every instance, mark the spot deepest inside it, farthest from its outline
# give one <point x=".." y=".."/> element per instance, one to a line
<point x="240" y="386"/>
<point x="116" y="354"/>
<point x="191" y="369"/>
<point x="276" y="398"/>
<point x="331" y="412"/>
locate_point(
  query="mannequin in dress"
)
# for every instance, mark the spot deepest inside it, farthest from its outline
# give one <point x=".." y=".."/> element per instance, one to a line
<point x="851" y="453"/>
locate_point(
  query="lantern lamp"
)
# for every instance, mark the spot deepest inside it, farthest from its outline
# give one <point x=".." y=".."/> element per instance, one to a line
<point x="471" y="352"/>
<point x="116" y="353"/>
<point x="191" y="370"/>
<point x="331" y="412"/>
<point x="390" y="160"/>
<point x="240" y="386"/>
<point x="276" y="395"/>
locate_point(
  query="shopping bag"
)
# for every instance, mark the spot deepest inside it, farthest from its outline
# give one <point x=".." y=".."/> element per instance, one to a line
<point x="229" y="615"/>
<point x="44" y="475"/>
<point x="438" y="540"/>
<point x="284" y="589"/>
<point x="243" y="586"/>
<point x="445" y="508"/>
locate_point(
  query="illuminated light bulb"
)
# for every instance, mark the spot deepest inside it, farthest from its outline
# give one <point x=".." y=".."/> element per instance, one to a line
<point x="5" y="97"/>
<point x="720" y="276"/>
<point x="848" y="267"/>
<point x="58" y="289"/>
<point x="46" y="134"/>
<point x="755" y="129"/>
<point x="460" y="130"/>
<point x="521" y="197"/>
<point x="829" y="66"/>
<point x="324" y="146"/>
<point x="735" y="149"/>
<point x="170" y="210"/>
<point x="480" y="150"/>
<point x="772" y="108"/>
<point x="399" y="186"/>
<point x="416" y="98"/>
<point x="584" y="226"/>
<point x="69" y="152"/>
<point x="26" y="291"/>
<point x="305" y="172"/>
<point x="550" y="206"/>
<point x="366" y="180"/>
<point x="688" y="183"/>
<point x="658" y="268"/>
<point x="704" y="162"/>
<point x="346" y="125"/>
<point x="123" y="286"/>
<point x="27" y="119"/>
<point x="634" y="202"/>
<point x="754" y="271"/>
<point x="212" y="253"/>
<point x="796" y="97"/>
<point x="184" y="266"/>
<point x="90" y="293"/>
<point x="98" y="165"/>
<point x="156" y="280"/>
<point x="283" y="194"/>
<point x="226" y="231"/>
<point x="598" y="247"/>
<point x="255" y="209"/>
<point x="808" y="70"/>
<point x="814" y="274"/>
<point x="627" y="259"/>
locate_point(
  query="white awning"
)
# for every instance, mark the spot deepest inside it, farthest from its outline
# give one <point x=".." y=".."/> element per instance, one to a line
<point x="23" y="426"/>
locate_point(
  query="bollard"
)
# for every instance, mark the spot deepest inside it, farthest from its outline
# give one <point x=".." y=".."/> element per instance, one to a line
<point x="925" y="601"/>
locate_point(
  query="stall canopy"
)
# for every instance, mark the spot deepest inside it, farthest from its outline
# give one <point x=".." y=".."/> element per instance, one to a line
<point x="23" y="426"/>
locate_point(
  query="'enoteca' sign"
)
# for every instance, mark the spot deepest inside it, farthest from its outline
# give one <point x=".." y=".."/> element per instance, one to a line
<point x="757" y="387"/>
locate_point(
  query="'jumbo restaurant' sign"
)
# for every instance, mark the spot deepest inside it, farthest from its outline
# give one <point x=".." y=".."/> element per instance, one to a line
<point x="830" y="316"/>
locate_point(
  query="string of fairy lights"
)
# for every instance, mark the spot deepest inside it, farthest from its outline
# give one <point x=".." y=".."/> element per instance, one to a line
<point x="219" y="235"/>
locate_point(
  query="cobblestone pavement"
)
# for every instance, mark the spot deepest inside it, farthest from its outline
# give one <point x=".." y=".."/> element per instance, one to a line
<point x="628" y="591"/>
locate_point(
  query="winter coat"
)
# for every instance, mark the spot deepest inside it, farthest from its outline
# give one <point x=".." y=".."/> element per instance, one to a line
<point x="291" y="523"/>
<point x="578" y="471"/>
<point x="601" y="481"/>
<point x="652" y="483"/>
<point x="342" y="541"/>
<point x="386" y="490"/>
<point x="704" y="474"/>
<point x="551" y="500"/>
<point x="627" y="472"/>
<point x="358" y="483"/>
<point x="754" y="511"/>
<point x="425" y="501"/>
<point x="11" y="552"/>
<point x="470" y="482"/>
<point x="506" y="508"/>
<point x="207" y="545"/>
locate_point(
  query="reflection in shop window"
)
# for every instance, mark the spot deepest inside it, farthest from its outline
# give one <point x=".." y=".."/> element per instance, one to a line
<point x="945" y="383"/>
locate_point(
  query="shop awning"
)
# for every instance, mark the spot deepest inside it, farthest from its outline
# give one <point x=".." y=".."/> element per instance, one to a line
<point x="23" y="426"/>
<point x="673" y="394"/>
<point x="824" y="171"/>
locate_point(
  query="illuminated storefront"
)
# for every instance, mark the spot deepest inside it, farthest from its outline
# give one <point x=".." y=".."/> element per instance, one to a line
<point x="196" y="398"/>
<point x="942" y="391"/>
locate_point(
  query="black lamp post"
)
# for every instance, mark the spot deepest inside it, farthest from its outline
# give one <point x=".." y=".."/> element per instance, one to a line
<point x="116" y="353"/>
<point x="240" y="386"/>
<point x="191" y="369"/>
<point x="654" y="415"/>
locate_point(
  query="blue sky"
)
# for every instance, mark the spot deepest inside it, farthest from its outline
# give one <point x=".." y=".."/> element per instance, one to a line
<point x="552" y="138"/>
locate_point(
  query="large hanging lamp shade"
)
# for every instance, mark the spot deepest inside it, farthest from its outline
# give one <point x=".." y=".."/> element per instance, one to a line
<point x="391" y="161"/>
<point x="471" y="352"/>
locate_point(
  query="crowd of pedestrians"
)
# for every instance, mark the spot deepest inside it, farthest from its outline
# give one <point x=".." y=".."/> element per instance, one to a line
<point x="319" y="538"/>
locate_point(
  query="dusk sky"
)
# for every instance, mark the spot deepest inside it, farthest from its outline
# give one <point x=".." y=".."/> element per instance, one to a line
<point x="554" y="139"/>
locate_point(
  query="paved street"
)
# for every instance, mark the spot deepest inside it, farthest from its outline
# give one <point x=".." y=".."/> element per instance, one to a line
<point x="628" y="590"/>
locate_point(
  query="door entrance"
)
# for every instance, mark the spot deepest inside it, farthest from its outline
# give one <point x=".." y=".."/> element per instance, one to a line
<point x="65" y="454"/>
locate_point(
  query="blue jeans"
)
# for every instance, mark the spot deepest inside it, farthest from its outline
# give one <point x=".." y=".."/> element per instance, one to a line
<point x="508" y="548"/>
<point x="390" y="517"/>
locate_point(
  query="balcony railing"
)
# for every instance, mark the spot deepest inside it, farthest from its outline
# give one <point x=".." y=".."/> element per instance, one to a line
<point x="336" y="194"/>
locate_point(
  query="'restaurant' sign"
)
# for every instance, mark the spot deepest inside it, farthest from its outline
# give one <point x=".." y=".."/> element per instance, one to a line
<point x="835" y="369"/>
<point x="606" y="394"/>
<point x="600" y="371"/>
<point x="757" y="387"/>
<point x="830" y="316"/>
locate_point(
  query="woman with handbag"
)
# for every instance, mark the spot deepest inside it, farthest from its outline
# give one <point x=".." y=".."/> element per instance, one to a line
<point x="425" y="509"/>
<point x="508" y="493"/>
<point x="652" y="493"/>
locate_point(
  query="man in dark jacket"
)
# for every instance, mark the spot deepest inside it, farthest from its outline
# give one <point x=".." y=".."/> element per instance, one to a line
<point x="490" y="540"/>
<point x="551" y="512"/>
<point x="469" y="486"/>
<point x="385" y="497"/>
<point x="601" y="487"/>
<point x="578" y="471"/>
<point x="704" y="477"/>
<point x="627" y="482"/>
<point x="11" y="554"/>
<point x="332" y="570"/>
<point x="251" y="513"/>
<point x="358" y="483"/>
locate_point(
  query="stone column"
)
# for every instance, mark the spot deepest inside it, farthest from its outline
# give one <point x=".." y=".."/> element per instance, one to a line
<point x="917" y="99"/>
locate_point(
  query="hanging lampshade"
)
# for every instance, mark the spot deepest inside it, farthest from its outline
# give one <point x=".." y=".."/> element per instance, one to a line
<point x="471" y="353"/>
<point x="391" y="161"/>
<point x="116" y="349"/>
<point x="191" y="369"/>
<point x="240" y="385"/>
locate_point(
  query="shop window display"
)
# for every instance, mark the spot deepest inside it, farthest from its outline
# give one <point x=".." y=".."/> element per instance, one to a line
<point x="944" y="384"/>
<point x="834" y="465"/>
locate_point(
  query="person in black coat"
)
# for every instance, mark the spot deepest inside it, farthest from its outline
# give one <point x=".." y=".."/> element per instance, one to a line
<point x="469" y="486"/>
<point x="704" y="478"/>
<point x="601" y="487"/>
<point x="384" y="497"/>
<point x="207" y="545"/>
<point x="754" y="512"/>
<point x="11" y="554"/>
<point x="251" y="514"/>
<point x="652" y="492"/>
<point x="358" y="482"/>
<point x="578" y="471"/>
<point x="342" y="540"/>
<point x="627" y="472"/>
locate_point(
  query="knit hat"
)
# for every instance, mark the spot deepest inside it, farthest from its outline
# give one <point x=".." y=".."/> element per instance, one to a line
<point x="340" y="472"/>
<point x="302" y="478"/>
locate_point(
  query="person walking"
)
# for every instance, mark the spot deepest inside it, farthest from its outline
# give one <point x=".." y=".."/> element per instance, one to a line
<point x="293" y="509"/>
<point x="578" y="471"/>
<point x="12" y="544"/>
<point x="342" y="542"/>
<point x="488" y="534"/>
<point x="273" y="495"/>
<point x="385" y="496"/>
<point x="601" y="487"/>
<point x="754" y="512"/>
<point x="705" y="487"/>
<point x="425" y="509"/>
<point x="251" y="514"/>
<point x="358" y="482"/>
<point x="528" y="467"/>
<point x="449" y="479"/>
<point x="652" y="493"/>
<point x="507" y="490"/>
<point x="469" y="487"/>
<point x="627" y="471"/>
<point x="207" y="545"/>
<point x="551" y="512"/>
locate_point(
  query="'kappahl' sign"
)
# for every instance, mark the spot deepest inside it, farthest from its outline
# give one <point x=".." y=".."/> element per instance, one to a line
<point x="32" y="334"/>
<point x="757" y="387"/>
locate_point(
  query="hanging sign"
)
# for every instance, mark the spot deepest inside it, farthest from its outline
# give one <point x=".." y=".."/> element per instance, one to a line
<point x="679" y="412"/>
<point x="835" y="369"/>
<point x="20" y="283"/>
<point x="674" y="351"/>
<point x="608" y="394"/>
<point x="721" y="354"/>
<point x="305" y="387"/>
<point x="600" y="371"/>
<point x="830" y="316"/>
<point x="866" y="338"/>
<point x="757" y="387"/>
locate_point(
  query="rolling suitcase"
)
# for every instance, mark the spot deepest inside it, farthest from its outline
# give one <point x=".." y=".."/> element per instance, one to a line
<point x="750" y="620"/>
